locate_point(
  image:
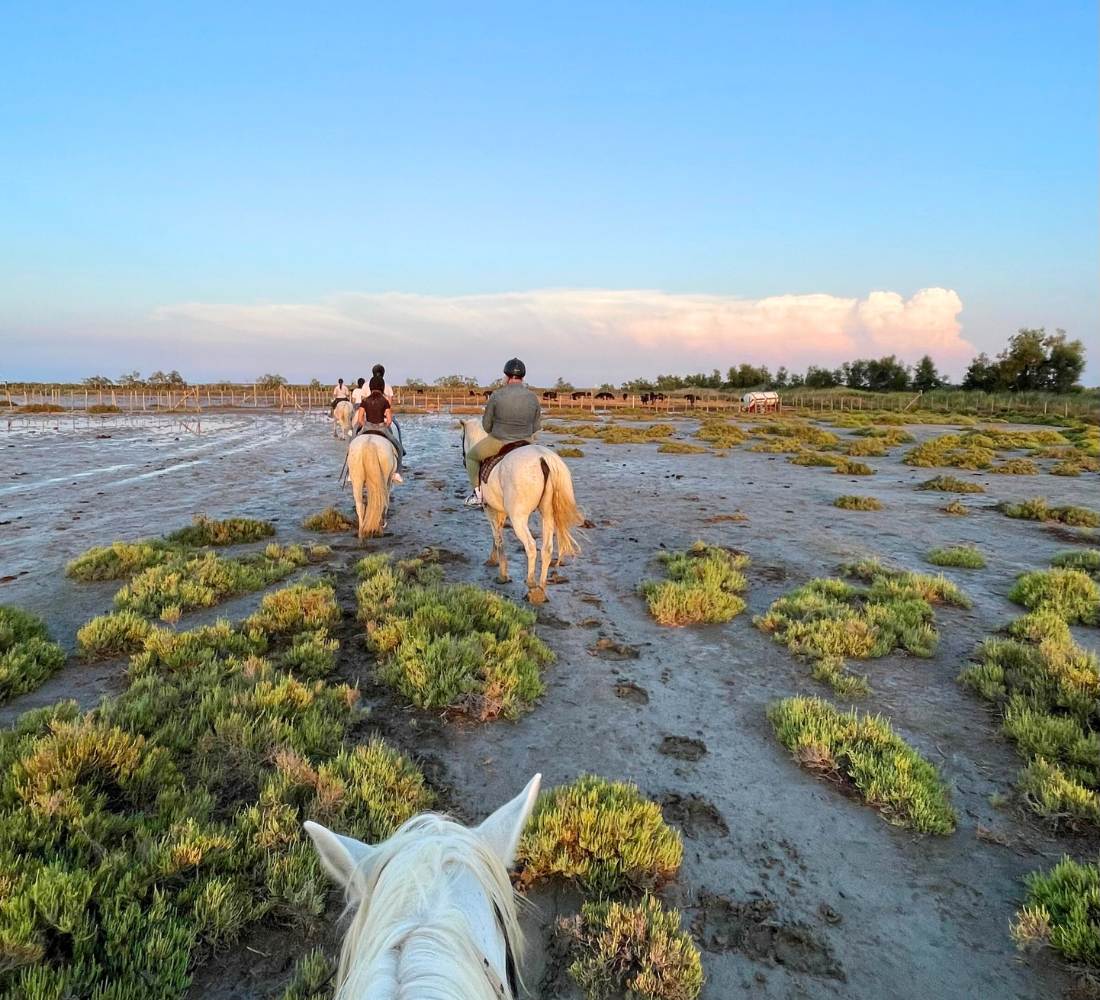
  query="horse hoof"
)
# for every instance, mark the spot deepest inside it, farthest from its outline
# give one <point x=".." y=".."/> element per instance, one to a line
<point x="504" y="579"/>
<point x="492" y="561"/>
<point x="536" y="595"/>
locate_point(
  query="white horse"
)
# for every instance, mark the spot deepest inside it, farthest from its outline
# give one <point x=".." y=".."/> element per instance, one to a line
<point x="525" y="480"/>
<point x="372" y="461"/>
<point x="342" y="413"/>
<point x="434" y="914"/>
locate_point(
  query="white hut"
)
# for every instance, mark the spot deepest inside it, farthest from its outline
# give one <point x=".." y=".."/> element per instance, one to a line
<point x="760" y="402"/>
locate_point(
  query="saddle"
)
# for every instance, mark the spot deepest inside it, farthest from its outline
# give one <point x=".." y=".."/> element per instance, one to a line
<point x="378" y="433"/>
<point x="494" y="460"/>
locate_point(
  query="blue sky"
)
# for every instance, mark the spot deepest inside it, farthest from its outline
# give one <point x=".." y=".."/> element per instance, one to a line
<point x="215" y="186"/>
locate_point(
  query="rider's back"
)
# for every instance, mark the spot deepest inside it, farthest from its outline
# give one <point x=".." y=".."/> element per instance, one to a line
<point x="513" y="413"/>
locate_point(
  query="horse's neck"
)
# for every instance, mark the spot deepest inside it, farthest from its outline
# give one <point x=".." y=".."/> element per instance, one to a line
<point x="475" y="432"/>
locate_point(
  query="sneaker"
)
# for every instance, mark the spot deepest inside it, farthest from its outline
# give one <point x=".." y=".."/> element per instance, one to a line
<point x="396" y="477"/>
<point x="474" y="500"/>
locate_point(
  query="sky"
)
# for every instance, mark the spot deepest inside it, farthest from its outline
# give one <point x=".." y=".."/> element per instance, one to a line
<point x="607" y="190"/>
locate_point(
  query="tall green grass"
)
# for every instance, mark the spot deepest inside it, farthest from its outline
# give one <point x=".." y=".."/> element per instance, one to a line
<point x="704" y="585"/>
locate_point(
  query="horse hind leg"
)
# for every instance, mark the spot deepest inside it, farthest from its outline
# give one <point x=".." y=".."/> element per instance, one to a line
<point x="535" y="592"/>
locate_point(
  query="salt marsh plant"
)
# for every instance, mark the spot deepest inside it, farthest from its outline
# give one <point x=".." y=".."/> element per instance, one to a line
<point x="617" y="434"/>
<point x="450" y="646"/>
<point x="956" y="508"/>
<point x="329" y="519"/>
<point x="119" y="633"/>
<point x="27" y="654"/>
<point x="1071" y="594"/>
<point x="681" y="448"/>
<point x="570" y="452"/>
<point x="888" y="435"/>
<point x="122" y="559"/>
<point x="830" y="620"/>
<point x="852" y="502"/>
<point x="704" y="585"/>
<point x="1016" y="467"/>
<point x="868" y="446"/>
<point x="863" y="753"/>
<point x="958" y="556"/>
<point x="1063" y="911"/>
<point x="171" y="815"/>
<point x="951" y="484"/>
<point x="1086" y="560"/>
<point x="1040" y="509"/>
<point x="230" y="531"/>
<point x="1047" y="690"/>
<point x="720" y="433"/>
<point x="635" y="950"/>
<point x="960" y="451"/>
<point x="311" y="978"/>
<point x="604" y="836"/>
<point x="203" y="580"/>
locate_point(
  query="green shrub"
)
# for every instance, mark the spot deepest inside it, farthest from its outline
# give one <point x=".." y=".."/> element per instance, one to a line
<point x="960" y="451"/>
<point x="1039" y="509"/>
<point x="1069" y="593"/>
<point x="865" y="753"/>
<point x="830" y="620"/>
<point x="117" y="634"/>
<point x="888" y="435"/>
<point x="452" y="646"/>
<point x="330" y="519"/>
<point x="681" y="448"/>
<point x="1086" y="560"/>
<point x="27" y="654"/>
<point x="852" y="502"/>
<point x="961" y="556"/>
<point x="850" y="468"/>
<point x="720" y="433"/>
<point x="231" y="531"/>
<point x="617" y="434"/>
<point x="602" y="835"/>
<point x="571" y="452"/>
<point x="635" y="950"/>
<point x="122" y="559"/>
<point x="703" y="586"/>
<point x="817" y="458"/>
<point x="311" y="978"/>
<point x="1016" y="467"/>
<point x="869" y="446"/>
<point x="956" y="508"/>
<point x="951" y="484"/>
<point x="1063" y="911"/>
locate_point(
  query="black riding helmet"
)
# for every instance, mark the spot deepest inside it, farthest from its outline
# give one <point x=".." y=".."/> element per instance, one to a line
<point x="515" y="369"/>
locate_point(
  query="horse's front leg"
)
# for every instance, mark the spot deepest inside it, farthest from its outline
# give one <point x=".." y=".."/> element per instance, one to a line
<point x="497" y="556"/>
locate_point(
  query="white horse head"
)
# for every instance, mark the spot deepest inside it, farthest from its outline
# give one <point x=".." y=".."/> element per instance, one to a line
<point x="434" y="912"/>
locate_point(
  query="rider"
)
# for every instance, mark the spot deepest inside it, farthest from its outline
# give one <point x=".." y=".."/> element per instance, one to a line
<point x="357" y="393"/>
<point x="513" y="413"/>
<point x="379" y="371"/>
<point x="375" y="411"/>
<point x="339" y="394"/>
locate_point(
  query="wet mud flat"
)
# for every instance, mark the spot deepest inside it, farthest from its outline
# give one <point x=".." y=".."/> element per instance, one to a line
<point x="791" y="888"/>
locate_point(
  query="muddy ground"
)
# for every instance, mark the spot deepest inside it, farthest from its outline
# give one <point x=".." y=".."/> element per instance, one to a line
<point x="792" y="889"/>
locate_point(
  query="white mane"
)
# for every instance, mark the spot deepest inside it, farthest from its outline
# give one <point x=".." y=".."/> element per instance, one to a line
<point x="408" y="937"/>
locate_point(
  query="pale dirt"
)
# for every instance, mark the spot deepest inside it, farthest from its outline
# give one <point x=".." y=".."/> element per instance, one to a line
<point x="793" y="889"/>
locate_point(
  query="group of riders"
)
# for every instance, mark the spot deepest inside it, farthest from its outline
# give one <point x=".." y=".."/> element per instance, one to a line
<point x="512" y="413"/>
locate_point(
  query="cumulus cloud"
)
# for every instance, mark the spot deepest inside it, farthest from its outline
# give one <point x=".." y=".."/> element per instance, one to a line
<point x="587" y="334"/>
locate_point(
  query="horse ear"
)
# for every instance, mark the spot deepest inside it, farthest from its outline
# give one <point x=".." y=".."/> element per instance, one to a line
<point x="340" y="856"/>
<point x="502" y="830"/>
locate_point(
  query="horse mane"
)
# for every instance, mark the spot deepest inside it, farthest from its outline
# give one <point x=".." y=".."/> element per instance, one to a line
<point x="406" y="938"/>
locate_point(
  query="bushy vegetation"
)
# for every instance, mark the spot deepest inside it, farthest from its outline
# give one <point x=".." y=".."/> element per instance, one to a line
<point x="1039" y="509"/>
<point x="1071" y="594"/>
<point x="951" y="484"/>
<point x="449" y="646"/>
<point x="1047" y="689"/>
<point x="955" y="507"/>
<point x="1063" y="911"/>
<point x="634" y="950"/>
<point x="1086" y="560"/>
<point x="889" y="436"/>
<point x="959" y="556"/>
<point x="230" y="531"/>
<point x="960" y="451"/>
<point x="570" y="452"/>
<point x="830" y="620"/>
<point x="116" y="634"/>
<point x="171" y="815"/>
<point x="864" y="753"/>
<point x="311" y="978"/>
<point x="1016" y="467"/>
<point x="681" y="448"/>
<point x="27" y="654"/>
<point x="873" y="447"/>
<point x="330" y="519"/>
<point x="703" y="586"/>
<point x="720" y="433"/>
<point x="122" y="559"/>
<point x="850" y="501"/>
<point x="617" y="434"/>
<point x="602" y="835"/>
<point x="203" y="580"/>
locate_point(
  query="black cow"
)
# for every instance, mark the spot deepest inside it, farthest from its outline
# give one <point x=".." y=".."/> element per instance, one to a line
<point x="549" y="394"/>
<point x="606" y="395"/>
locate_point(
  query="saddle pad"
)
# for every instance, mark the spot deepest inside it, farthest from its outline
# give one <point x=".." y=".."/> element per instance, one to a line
<point x="493" y="460"/>
<point x="378" y="433"/>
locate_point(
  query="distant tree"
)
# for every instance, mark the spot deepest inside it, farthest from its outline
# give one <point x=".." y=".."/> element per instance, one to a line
<point x="746" y="376"/>
<point x="822" y="378"/>
<point x="983" y="374"/>
<point x="1023" y="364"/>
<point x="562" y="386"/>
<point x="415" y="384"/>
<point x="1065" y="363"/>
<point x="157" y="379"/>
<point x="98" y="382"/>
<point x="887" y="375"/>
<point x="176" y="380"/>
<point x="796" y="381"/>
<point x="638" y="385"/>
<point x="925" y="376"/>
<point x="456" y="382"/>
<point x="782" y="378"/>
<point x="315" y="383"/>
<point x="270" y="381"/>
<point x="856" y="375"/>
<point x="606" y="387"/>
<point x="130" y="379"/>
<point x="497" y="382"/>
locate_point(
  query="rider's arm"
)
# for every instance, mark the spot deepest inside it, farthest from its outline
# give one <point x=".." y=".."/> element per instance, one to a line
<point x="536" y="426"/>
<point x="487" y="416"/>
<point x="388" y="418"/>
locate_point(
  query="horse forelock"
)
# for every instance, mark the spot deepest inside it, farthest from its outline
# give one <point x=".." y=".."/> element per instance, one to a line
<point x="408" y="937"/>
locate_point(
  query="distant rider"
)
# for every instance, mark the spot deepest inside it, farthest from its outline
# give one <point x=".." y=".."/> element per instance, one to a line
<point x="358" y="393"/>
<point x="339" y="394"/>
<point x="376" y="413"/>
<point x="513" y="413"/>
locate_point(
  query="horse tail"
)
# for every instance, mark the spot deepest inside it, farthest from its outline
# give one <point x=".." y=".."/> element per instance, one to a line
<point x="563" y="504"/>
<point x="378" y="491"/>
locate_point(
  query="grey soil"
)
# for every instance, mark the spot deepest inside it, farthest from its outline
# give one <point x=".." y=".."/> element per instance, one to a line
<point x="793" y="889"/>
